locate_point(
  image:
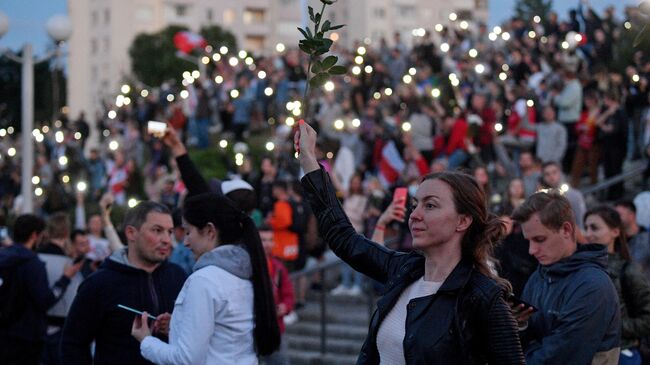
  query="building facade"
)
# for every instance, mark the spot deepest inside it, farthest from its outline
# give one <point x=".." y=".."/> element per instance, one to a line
<point x="104" y="29"/>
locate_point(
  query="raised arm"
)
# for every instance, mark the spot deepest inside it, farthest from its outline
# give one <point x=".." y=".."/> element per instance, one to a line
<point x="362" y="254"/>
<point x="105" y="205"/>
<point x="396" y="211"/>
<point x="194" y="181"/>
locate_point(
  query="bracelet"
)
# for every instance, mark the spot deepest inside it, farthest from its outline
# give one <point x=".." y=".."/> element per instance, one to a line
<point x="380" y="228"/>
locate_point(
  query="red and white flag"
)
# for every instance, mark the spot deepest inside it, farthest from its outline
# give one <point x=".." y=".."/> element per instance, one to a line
<point x="186" y="41"/>
<point x="391" y="164"/>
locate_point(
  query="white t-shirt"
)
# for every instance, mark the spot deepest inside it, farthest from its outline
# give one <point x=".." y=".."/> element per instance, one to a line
<point x="390" y="337"/>
<point x="99" y="248"/>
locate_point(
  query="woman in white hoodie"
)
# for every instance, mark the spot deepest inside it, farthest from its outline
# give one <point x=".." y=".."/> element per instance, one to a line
<point x="225" y="313"/>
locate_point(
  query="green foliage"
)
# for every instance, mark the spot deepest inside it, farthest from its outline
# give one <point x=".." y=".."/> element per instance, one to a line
<point x="44" y="86"/>
<point x="527" y="9"/>
<point x="211" y="161"/>
<point x="315" y="44"/>
<point x="153" y="56"/>
<point x="629" y="42"/>
<point x="217" y="37"/>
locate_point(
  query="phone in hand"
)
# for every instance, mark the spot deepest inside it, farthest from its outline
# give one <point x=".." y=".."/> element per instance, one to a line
<point x="518" y="301"/>
<point x="156" y="129"/>
<point x="134" y="311"/>
<point x="400" y="193"/>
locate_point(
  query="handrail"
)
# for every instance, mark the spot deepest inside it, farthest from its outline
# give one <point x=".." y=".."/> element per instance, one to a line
<point x="328" y="264"/>
<point x="634" y="171"/>
<point x="323" y="268"/>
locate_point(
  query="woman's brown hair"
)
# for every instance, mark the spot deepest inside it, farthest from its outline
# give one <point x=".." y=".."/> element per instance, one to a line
<point x="613" y="220"/>
<point x="485" y="230"/>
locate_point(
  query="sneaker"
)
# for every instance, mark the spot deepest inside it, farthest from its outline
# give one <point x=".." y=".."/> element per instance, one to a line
<point x="355" y="291"/>
<point x="339" y="290"/>
<point x="290" y="318"/>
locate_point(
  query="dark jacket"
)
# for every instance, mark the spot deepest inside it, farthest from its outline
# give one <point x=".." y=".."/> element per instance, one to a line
<point x="578" y="309"/>
<point x="31" y="274"/>
<point x="634" y="299"/>
<point x="94" y="314"/>
<point x="466" y="322"/>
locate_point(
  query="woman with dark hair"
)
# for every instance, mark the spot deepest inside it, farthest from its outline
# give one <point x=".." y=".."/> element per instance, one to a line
<point x="442" y="303"/>
<point x="225" y="313"/>
<point x="603" y="225"/>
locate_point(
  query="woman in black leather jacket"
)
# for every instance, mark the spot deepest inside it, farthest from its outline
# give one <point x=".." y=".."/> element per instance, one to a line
<point x="441" y="304"/>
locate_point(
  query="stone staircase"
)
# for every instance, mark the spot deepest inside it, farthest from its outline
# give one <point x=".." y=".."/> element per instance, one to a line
<point x="347" y="327"/>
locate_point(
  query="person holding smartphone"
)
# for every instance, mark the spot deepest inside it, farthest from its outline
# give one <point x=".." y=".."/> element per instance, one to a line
<point x="442" y="303"/>
<point x="578" y="318"/>
<point x="225" y="313"/>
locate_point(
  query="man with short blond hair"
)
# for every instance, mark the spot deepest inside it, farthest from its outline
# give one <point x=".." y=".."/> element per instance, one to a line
<point x="577" y="319"/>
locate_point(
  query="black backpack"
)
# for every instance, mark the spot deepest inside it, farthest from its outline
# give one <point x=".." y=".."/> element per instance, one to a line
<point x="299" y="217"/>
<point x="12" y="295"/>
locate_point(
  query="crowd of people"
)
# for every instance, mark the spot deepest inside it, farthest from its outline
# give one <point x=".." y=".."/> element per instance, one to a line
<point x="492" y="133"/>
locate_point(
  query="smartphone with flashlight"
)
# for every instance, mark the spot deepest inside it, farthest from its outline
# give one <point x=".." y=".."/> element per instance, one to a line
<point x="400" y="194"/>
<point x="156" y="129"/>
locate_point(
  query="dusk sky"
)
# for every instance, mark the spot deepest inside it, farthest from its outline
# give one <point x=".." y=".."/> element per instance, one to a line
<point x="27" y="18"/>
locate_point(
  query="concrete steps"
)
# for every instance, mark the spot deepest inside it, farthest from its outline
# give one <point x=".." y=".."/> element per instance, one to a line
<point x="347" y="326"/>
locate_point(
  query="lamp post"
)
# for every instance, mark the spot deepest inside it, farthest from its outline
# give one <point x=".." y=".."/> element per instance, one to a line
<point x="59" y="29"/>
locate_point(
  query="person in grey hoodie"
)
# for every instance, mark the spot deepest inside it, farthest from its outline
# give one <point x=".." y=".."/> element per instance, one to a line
<point x="225" y="313"/>
<point x="577" y="318"/>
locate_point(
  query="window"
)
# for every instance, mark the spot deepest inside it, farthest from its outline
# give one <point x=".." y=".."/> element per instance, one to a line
<point x="253" y="16"/>
<point x="406" y="11"/>
<point x="93" y="46"/>
<point x="379" y="13"/>
<point x="107" y="44"/>
<point x="144" y="13"/>
<point x="209" y="15"/>
<point x="254" y="42"/>
<point x="229" y="16"/>
<point x="465" y="14"/>
<point x="180" y="9"/>
<point x="95" y="18"/>
<point x="480" y="4"/>
<point x="107" y="16"/>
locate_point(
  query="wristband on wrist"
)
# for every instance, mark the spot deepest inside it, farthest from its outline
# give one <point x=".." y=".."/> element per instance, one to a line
<point x="380" y="228"/>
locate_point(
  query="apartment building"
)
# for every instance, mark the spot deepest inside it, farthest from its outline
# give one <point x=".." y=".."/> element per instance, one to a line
<point x="104" y="29"/>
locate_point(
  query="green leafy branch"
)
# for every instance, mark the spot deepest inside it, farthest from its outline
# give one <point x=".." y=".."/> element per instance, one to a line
<point x="315" y="44"/>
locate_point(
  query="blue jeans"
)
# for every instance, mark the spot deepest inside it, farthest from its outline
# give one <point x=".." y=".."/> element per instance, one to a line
<point x="456" y="159"/>
<point x="630" y="356"/>
<point x="202" y="131"/>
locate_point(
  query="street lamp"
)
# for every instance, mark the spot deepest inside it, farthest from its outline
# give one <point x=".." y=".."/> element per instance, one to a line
<point x="59" y="29"/>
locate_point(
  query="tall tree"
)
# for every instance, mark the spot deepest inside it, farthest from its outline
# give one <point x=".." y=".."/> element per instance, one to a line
<point x="217" y="37"/>
<point x="527" y="9"/>
<point x="153" y="56"/>
<point x="10" y="91"/>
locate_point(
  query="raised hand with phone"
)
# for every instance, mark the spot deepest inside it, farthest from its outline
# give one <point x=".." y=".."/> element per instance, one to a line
<point x="396" y="211"/>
